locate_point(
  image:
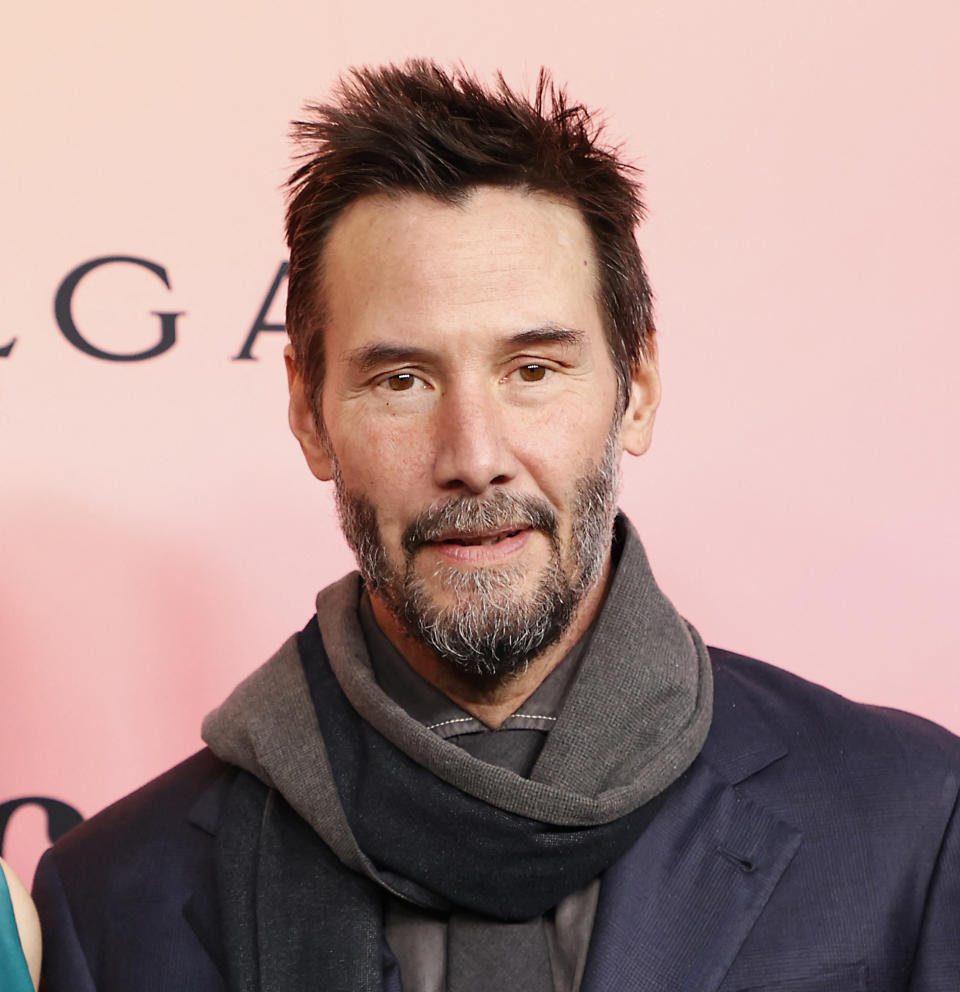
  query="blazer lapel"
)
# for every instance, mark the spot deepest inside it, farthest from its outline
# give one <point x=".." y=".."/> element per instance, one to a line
<point x="675" y="910"/>
<point x="201" y="909"/>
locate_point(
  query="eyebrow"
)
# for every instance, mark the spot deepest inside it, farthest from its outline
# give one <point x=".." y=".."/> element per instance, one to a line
<point x="547" y="334"/>
<point x="372" y="356"/>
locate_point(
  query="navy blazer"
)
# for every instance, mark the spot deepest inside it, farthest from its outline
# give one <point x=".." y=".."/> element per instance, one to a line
<point x="813" y="846"/>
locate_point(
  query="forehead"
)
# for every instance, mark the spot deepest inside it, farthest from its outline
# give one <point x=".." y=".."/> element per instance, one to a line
<point x="499" y="259"/>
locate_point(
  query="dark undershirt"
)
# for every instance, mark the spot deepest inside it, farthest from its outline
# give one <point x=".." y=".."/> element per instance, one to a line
<point x="515" y="744"/>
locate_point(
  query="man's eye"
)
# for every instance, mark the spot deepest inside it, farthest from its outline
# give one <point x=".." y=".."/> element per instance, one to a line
<point x="400" y="381"/>
<point x="532" y="373"/>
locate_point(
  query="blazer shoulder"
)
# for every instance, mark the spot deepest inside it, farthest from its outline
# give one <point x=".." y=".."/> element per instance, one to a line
<point x="150" y="811"/>
<point x="163" y="829"/>
<point x="128" y="884"/>
<point x="810" y="718"/>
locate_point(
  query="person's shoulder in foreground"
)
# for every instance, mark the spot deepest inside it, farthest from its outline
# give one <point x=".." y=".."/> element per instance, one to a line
<point x="20" y="948"/>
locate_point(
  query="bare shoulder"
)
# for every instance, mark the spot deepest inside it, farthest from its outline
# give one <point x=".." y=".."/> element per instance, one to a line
<point x="28" y="924"/>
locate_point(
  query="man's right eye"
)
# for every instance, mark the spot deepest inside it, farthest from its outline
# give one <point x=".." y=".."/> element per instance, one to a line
<point x="400" y="381"/>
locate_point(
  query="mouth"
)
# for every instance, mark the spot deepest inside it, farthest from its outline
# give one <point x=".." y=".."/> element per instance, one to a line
<point x="481" y="547"/>
<point x="477" y="530"/>
<point x="479" y="539"/>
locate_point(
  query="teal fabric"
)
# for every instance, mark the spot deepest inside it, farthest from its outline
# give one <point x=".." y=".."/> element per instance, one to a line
<point x="14" y="974"/>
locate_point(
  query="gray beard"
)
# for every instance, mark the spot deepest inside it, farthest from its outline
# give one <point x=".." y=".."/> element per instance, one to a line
<point x="493" y="630"/>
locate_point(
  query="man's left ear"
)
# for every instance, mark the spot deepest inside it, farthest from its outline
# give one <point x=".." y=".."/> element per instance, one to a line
<point x="636" y="430"/>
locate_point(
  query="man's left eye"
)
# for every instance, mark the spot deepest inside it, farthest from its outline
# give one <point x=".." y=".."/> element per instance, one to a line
<point x="532" y="373"/>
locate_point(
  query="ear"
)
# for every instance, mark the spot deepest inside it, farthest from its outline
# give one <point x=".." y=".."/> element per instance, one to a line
<point x="636" y="430"/>
<point x="303" y="423"/>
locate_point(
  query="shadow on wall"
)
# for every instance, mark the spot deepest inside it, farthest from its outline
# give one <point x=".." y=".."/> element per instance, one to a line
<point x="116" y="639"/>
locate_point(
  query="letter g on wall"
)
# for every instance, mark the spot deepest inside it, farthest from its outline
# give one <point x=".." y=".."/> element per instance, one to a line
<point x="63" y="311"/>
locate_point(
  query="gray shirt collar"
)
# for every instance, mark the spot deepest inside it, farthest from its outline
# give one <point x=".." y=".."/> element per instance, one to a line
<point x="437" y="711"/>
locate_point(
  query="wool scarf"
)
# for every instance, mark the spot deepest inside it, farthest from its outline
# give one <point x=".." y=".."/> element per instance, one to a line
<point x="399" y="810"/>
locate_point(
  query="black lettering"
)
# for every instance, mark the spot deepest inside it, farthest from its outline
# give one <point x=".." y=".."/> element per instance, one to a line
<point x="61" y="816"/>
<point x="7" y="348"/>
<point x="260" y="322"/>
<point x="63" y="311"/>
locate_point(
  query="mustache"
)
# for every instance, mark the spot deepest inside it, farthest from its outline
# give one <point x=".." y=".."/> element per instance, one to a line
<point x="467" y="514"/>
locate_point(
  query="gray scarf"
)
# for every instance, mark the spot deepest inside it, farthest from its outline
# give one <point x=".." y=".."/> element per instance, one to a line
<point x="634" y="720"/>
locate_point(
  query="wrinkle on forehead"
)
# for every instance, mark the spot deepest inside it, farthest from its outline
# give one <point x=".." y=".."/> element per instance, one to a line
<point x="414" y="251"/>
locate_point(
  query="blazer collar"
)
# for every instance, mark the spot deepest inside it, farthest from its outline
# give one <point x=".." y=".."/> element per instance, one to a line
<point x="201" y="910"/>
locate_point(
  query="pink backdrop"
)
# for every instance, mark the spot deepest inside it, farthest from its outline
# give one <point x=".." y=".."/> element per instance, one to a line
<point x="160" y="535"/>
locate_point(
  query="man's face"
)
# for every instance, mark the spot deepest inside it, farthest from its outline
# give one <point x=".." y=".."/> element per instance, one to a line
<point x="470" y="405"/>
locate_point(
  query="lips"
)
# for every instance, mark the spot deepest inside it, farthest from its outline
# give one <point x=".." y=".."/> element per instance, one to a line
<point x="478" y="540"/>
<point x="486" y="547"/>
<point x="470" y="527"/>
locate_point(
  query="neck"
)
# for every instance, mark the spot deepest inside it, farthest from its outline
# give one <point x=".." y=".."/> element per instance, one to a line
<point x="491" y="703"/>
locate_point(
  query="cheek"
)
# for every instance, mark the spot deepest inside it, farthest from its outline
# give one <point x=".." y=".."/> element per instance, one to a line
<point x="565" y="448"/>
<point x="372" y="445"/>
<point x="389" y="467"/>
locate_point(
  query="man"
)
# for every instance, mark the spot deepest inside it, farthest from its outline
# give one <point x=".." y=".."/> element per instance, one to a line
<point x="498" y="758"/>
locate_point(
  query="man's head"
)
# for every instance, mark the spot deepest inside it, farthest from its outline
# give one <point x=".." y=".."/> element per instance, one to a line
<point x="464" y="394"/>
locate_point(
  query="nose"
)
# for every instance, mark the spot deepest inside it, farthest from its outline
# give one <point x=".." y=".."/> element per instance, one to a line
<point x="473" y="451"/>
